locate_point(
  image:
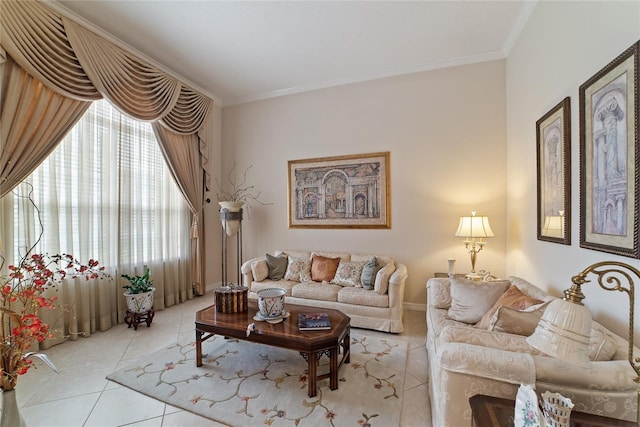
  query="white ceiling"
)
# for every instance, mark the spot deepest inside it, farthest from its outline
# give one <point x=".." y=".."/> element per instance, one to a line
<point x="240" y="51"/>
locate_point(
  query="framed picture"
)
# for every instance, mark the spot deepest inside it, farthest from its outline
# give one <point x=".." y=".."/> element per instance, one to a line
<point x="609" y="153"/>
<point x="553" y="136"/>
<point x="340" y="192"/>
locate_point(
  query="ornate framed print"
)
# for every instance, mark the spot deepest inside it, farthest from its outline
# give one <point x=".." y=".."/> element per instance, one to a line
<point x="609" y="154"/>
<point x="553" y="138"/>
<point x="340" y="192"/>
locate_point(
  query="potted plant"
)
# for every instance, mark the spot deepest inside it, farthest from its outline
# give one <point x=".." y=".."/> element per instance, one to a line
<point x="139" y="293"/>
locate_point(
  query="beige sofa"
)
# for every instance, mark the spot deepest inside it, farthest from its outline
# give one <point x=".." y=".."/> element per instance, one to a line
<point x="379" y="308"/>
<point x="465" y="360"/>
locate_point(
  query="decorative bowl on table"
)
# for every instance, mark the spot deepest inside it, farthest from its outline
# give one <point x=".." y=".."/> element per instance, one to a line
<point x="271" y="302"/>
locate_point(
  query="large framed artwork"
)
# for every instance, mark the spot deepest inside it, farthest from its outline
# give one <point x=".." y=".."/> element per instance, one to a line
<point x="553" y="138"/>
<point x="340" y="192"/>
<point x="609" y="154"/>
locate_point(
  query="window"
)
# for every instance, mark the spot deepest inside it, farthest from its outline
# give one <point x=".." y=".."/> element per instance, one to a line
<point x="105" y="193"/>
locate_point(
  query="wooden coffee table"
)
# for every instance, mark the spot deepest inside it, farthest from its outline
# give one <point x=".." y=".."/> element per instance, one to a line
<point x="311" y="344"/>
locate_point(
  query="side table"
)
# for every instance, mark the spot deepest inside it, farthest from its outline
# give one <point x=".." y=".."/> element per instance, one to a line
<point x="489" y="411"/>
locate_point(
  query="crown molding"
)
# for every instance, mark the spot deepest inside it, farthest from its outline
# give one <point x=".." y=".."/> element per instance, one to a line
<point x="122" y="45"/>
<point x="452" y="62"/>
<point x="518" y="26"/>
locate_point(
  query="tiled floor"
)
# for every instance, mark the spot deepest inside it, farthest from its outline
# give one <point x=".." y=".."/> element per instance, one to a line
<point x="81" y="396"/>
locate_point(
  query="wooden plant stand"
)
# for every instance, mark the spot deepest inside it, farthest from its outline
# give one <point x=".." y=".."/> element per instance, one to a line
<point x="133" y="319"/>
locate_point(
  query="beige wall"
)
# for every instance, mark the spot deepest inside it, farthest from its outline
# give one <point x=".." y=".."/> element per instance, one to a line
<point x="445" y="130"/>
<point x="562" y="46"/>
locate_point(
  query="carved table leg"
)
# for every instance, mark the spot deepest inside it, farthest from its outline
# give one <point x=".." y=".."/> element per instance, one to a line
<point x="312" y="376"/>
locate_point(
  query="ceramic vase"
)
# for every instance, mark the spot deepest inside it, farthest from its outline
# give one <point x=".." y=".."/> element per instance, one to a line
<point x="452" y="263"/>
<point x="10" y="416"/>
<point x="231" y="226"/>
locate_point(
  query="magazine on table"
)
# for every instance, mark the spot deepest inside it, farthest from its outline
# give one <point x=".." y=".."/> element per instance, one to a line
<point x="313" y="321"/>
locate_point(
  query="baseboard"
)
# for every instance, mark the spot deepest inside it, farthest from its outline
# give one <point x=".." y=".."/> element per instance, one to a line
<point x="414" y="306"/>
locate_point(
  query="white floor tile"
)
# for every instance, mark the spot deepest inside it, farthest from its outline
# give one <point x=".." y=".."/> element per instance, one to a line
<point x="60" y="413"/>
<point x="123" y="406"/>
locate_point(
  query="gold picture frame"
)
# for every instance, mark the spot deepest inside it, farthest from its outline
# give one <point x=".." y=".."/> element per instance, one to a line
<point x="349" y="191"/>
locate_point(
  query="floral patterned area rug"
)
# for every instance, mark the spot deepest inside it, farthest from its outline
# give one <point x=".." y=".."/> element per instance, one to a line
<point x="249" y="384"/>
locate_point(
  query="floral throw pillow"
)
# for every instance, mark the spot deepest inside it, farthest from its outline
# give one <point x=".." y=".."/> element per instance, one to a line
<point x="298" y="269"/>
<point x="349" y="273"/>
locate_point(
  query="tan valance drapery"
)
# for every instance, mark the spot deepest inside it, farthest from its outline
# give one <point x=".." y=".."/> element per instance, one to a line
<point x="78" y="64"/>
<point x="33" y="118"/>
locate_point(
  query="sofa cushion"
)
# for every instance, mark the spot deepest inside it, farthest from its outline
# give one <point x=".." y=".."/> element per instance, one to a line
<point x="277" y="266"/>
<point x="260" y="270"/>
<point x="284" y="284"/>
<point x="316" y="291"/>
<point x="298" y="269"/>
<point x="369" y="272"/>
<point x="512" y="298"/>
<point x="361" y="296"/>
<point x="323" y="269"/>
<point x="381" y="284"/>
<point x="342" y="255"/>
<point x="294" y="253"/>
<point x="471" y="299"/>
<point x="439" y="293"/>
<point x="382" y="259"/>
<point x="348" y="273"/>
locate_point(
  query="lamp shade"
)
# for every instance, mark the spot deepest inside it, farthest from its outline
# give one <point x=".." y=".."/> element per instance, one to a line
<point x="474" y="226"/>
<point x="564" y="332"/>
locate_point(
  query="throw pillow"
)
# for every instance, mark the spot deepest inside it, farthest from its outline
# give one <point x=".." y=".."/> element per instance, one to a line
<point x="298" y="269"/>
<point x="277" y="266"/>
<point x="323" y="269"/>
<point x="519" y="322"/>
<point x="513" y="298"/>
<point x="348" y="273"/>
<point x="381" y="284"/>
<point x="260" y="270"/>
<point x="471" y="299"/>
<point x="369" y="272"/>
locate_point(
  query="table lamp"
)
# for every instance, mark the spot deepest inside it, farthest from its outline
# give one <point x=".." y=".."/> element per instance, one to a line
<point x="564" y="330"/>
<point x="471" y="228"/>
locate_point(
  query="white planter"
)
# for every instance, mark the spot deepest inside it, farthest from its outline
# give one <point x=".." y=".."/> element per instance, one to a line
<point x="271" y="302"/>
<point x="140" y="303"/>
<point x="231" y="226"/>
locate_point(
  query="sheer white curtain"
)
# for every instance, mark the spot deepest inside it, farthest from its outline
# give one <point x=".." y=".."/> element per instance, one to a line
<point x="106" y="193"/>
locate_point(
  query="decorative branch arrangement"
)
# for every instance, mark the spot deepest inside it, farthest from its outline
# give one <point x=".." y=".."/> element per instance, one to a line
<point x="240" y="191"/>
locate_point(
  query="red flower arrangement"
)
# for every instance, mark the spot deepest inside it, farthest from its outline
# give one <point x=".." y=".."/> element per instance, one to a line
<point x="22" y="297"/>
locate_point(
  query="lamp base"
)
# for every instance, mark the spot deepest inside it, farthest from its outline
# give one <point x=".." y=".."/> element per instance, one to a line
<point x="474" y="276"/>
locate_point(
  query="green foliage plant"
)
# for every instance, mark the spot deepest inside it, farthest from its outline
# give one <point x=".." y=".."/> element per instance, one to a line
<point x="139" y="284"/>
